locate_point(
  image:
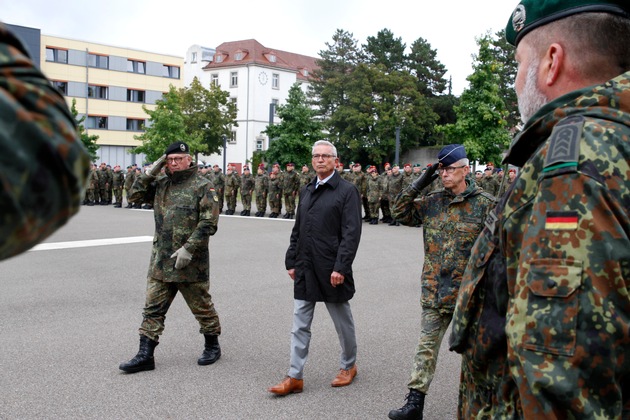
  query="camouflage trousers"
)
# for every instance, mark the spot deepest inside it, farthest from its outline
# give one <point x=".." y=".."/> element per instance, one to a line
<point x="230" y="199"/>
<point x="385" y="208"/>
<point x="220" y="195"/>
<point x="118" y="195"/>
<point x="275" y="204"/>
<point x="433" y="326"/>
<point x="159" y="297"/>
<point x="261" y="203"/>
<point x="289" y="203"/>
<point x="374" y="207"/>
<point x="247" y="201"/>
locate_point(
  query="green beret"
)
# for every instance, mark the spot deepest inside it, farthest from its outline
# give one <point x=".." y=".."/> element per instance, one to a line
<point x="530" y="14"/>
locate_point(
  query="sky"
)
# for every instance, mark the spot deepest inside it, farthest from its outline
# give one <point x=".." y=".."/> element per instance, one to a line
<point x="297" y="26"/>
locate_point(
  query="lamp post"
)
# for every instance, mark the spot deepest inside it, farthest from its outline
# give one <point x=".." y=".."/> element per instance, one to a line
<point x="224" y="137"/>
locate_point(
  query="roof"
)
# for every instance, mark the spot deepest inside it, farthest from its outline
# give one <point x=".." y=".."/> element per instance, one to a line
<point x="250" y="51"/>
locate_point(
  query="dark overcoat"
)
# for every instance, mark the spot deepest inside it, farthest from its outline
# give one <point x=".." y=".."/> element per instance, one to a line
<point x="325" y="238"/>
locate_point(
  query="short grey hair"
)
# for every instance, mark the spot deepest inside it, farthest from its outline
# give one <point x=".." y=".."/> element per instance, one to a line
<point x="325" y="143"/>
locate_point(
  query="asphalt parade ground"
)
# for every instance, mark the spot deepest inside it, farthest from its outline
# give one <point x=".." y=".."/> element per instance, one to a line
<point x="70" y="311"/>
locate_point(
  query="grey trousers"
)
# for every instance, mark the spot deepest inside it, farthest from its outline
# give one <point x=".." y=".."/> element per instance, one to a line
<point x="301" y="334"/>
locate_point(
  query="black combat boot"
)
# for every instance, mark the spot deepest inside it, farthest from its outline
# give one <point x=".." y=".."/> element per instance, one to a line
<point x="211" y="352"/>
<point x="412" y="410"/>
<point x="144" y="359"/>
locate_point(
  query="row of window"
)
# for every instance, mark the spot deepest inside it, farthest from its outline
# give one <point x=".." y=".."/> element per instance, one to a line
<point x="58" y="55"/>
<point x="98" y="122"/>
<point x="102" y="92"/>
<point x="275" y="79"/>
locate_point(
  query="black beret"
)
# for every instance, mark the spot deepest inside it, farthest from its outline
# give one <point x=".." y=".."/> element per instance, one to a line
<point x="177" y="147"/>
<point x="451" y="154"/>
<point x="530" y="14"/>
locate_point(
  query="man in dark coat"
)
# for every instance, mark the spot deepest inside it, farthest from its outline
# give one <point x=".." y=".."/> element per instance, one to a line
<point x="324" y="242"/>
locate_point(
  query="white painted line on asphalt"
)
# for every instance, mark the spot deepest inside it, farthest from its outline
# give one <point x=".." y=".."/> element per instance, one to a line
<point x="92" y="242"/>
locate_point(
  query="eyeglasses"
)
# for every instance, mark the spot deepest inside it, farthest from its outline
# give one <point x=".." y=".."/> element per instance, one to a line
<point x="174" y="159"/>
<point x="323" y="156"/>
<point x="449" y="169"/>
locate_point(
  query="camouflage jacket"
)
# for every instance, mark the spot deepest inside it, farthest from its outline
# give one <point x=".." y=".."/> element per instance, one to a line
<point x="305" y="178"/>
<point x="186" y="213"/>
<point x="275" y="189"/>
<point x="565" y="233"/>
<point x="261" y="185"/>
<point x="394" y="186"/>
<point x="129" y="178"/>
<point x="374" y="191"/>
<point x="232" y="184"/>
<point x="490" y="184"/>
<point x="44" y="163"/>
<point x="408" y="179"/>
<point x="451" y="226"/>
<point x="247" y="184"/>
<point x="290" y="183"/>
<point x="218" y="179"/>
<point x="118" y="179"/>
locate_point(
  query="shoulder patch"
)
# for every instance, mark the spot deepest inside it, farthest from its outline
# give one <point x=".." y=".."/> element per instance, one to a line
<point x="564" y="144"/>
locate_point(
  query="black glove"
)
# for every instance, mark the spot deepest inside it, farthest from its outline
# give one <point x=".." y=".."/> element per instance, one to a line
<point x="426" y="179"/>
<point x="157" y="166"/>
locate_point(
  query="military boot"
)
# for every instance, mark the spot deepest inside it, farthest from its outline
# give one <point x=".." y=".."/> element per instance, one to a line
<point x="211" y="352"/>
<point x="412" y="410"/>
<point x="144" y="359"/>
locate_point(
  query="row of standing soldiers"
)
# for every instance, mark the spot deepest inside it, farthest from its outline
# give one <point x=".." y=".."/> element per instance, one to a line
<point x="275" y="188"/>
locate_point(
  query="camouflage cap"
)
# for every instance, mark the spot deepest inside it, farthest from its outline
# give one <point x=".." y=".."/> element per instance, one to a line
<point x="530" y="14"/>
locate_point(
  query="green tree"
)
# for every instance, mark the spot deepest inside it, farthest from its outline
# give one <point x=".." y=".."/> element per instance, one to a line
<point x="89" y="141"/>
<point x="423" y="64"/>
<point x="481" y="125"/>
<point x="293" y="137"/>
<point x="385" y="50"/>
<point x="167" y="125"/>
<point x="504" y="54"/>
<point x="208" y="115"/>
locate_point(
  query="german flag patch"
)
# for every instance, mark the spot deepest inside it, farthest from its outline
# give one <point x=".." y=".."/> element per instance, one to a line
<point x="561" y="220"/>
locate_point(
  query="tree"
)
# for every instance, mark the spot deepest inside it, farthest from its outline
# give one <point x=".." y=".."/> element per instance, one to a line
<point x="428" y="70"/>
<point x="504" y="54"/>
<point x="293" y="138"/>
<point x="89" y="141"/>
<point x="166" y="126"/>
<point x="385" y="50"/>
<point x="209" y="114"/>
<point x="481" y="124"/>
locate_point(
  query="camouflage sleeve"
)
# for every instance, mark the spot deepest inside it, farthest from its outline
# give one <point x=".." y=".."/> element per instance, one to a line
<point x="208" y="222"/>
<point x="406" y="209"/>
<point x="141" y="189"/>
<point x="44" y="164"/>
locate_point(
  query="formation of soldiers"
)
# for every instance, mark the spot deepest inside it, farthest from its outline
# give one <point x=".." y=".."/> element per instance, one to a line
<point x="272" y="190"/>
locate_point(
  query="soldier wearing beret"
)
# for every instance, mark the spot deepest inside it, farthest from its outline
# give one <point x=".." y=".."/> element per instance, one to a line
<point x="563" y="227"/>
<point x="118" y="180"/>
<point x="232" y="184"/>
<point x="261" y="189"/>
<point x="129" y="178"/>
<point x="247" y="189"/>
<point x="290" y="181"/>
<point x="44" y="163"/>
<point x="452" y="218"/>
<point x="218" y="180"/>
<point x="186" y="215"/>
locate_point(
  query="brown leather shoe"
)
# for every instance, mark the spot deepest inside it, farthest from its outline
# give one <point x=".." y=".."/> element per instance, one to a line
<point x="287" y="386"/>
<point x="345" y="377"/>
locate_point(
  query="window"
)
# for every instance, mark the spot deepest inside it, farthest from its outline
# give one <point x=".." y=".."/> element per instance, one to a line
<point x="259" y="145"/>
<point x="234" y="79"/>
<point x="218" y="58"/>
<point x="239" y="55"/>
<point x="275" y="80"/>
<point x="271" y="57"/>
<point x="275" y="103"/>
<point x="235" y="102"/>
<point x="214" y="79"/>
<point x="232" y="138"/>
<point x="56" y="55"/>
<point x="193" y="57"/>
<point x="100" y="61"/>
<point x="135" y="95"/>
<point x="61" y="86"/>
<point x="96" y="122"/>
<point x="135" y="124"/>
<point x="97" y="92"/>
<point x="134" y="66"/>
<point x="170" y="71"/>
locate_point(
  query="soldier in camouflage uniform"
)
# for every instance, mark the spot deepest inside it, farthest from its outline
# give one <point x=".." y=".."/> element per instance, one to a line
<point x="290" y="190"/>
<point x="374" y="194"/>
<point x="489" y="182"/>
<point x="92" y="186"/>
<point x="44" y="163"/>
<point x="261" y="189"/>
<point x="452" y="218"/>
<point x="564" y="228"/>
<point x="408" y="177"/>
<point x="306" y="176"/>
<point x="129" y="178"/>
<point x="275" y="195"/>
<point x="186" y="215"/>
<point x="103" y="184"/>
<point x="384" y="178"/>
<point x="394" y="187"/>
<point x="219" y="184"/>
<point x="247" y="189"/>
<point x="232" y="184"/>
<point x="118" y="180"/>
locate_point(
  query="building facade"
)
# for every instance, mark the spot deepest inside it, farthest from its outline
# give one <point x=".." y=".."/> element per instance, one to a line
<point x="110" y="86"/>
<point x="258" y="79"/>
